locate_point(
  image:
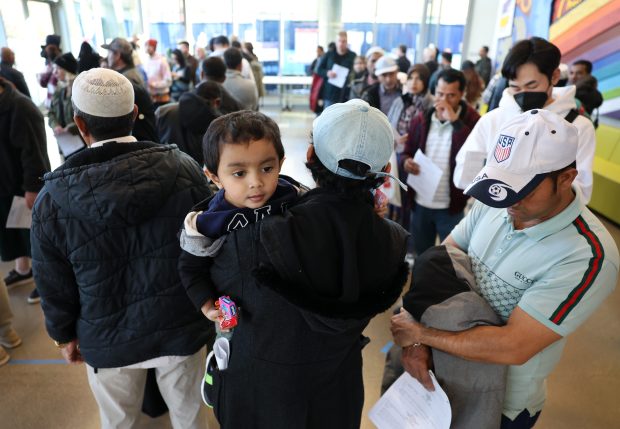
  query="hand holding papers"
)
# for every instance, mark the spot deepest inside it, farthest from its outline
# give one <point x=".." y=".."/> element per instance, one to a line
<point x="408" y="405"/>
<point x="341" y="76"/>
<point x="69" y="143"/>
<point x="20" y="216"/>
<point x="426" y="182"/>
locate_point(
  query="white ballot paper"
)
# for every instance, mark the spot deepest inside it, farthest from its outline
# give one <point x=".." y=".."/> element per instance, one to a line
<point x="473" y="163"/>
<point x="20" y="216"/>
<point x="68" y="143"/>
<point x="426" y="182"/>
<point x="408" y="405"/>
<point x="341" y="76"/>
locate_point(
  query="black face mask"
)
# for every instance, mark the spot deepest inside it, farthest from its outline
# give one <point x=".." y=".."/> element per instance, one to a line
<point x="531" y="100"/>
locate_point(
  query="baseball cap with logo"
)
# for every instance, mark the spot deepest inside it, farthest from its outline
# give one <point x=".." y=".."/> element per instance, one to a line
<point x="120" y="45"/>
<point x="385" y="64"/>
<point x="353" y="131"/>
<point x="103" y="92"/>
<point x="528" y="148"/>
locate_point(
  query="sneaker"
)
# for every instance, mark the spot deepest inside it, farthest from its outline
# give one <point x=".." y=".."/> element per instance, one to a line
<point x="34" y="297"/>
<point x="4" y="356"/>
<point x="10" y="339"/>
<point x="15" y="279"/>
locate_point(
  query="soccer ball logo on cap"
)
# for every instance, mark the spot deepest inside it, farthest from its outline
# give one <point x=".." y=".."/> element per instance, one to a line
<point x="498" y="192"/>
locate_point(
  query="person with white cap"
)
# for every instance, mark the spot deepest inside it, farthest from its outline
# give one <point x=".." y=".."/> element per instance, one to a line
<point x="540" y="258"/>
<point x="309" y="281"/>
<point x="531" y="69"/>
<point x="383" y="93"/>
<point x="105" y="259"/>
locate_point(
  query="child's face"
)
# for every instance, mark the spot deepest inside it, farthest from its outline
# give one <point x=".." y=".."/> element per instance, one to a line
<point x="248" y="173"/>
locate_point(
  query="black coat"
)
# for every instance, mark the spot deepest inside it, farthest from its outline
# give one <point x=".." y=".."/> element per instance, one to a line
<point x="331" y="92"/>
<point x="23" y="147"/>
<point x="307" y="283"/>
<point x="16" y="77"/>
<point x="185" y="123"/>
<point x="105" y="250"/>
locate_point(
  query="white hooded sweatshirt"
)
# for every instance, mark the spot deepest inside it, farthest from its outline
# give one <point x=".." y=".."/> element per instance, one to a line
<point x="483" y="137"/>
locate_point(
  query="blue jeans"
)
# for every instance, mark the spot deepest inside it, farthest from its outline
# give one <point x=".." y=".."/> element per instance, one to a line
<point x="427" y="223"/>
<point x="522" y="421"/>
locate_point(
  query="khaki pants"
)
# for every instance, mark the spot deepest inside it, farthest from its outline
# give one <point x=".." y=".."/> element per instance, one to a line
<point x="5" y="309"/>
<point x="119" y="393"/>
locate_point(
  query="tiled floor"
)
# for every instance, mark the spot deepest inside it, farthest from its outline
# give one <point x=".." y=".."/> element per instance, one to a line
<point x="39" y="392"/>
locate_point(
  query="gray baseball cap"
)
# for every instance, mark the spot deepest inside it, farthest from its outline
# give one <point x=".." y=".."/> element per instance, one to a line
<point x="120" y="45"/>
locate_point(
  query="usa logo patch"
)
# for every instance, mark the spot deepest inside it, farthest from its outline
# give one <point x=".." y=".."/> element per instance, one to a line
<point x="503" y="147"/>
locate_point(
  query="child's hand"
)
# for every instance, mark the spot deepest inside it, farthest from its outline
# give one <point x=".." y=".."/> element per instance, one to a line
<point x="210" y="312"/>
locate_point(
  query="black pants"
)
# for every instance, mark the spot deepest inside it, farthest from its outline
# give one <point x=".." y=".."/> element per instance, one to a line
<point x="14" y="243"/>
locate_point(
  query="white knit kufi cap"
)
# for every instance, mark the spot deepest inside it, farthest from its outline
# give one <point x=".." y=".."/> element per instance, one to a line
<point x="103" y="93"/>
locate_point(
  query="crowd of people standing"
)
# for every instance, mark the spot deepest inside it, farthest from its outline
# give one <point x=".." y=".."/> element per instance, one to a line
<point x="133" y="239"/>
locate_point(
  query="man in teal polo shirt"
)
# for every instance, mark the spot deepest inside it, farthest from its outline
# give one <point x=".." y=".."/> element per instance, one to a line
<point x="541" y="260"/>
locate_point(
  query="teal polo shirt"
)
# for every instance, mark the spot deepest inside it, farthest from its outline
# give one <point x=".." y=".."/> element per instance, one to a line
<point x="558" y="272"/>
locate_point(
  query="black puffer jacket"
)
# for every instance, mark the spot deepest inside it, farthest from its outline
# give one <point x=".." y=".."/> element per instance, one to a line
<point x="105" y="250"/>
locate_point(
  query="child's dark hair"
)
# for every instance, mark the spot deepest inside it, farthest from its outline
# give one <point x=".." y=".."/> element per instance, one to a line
<point x="543" y="54"/>
<point x="240" y="127"/>
<point x="351" y="187"/>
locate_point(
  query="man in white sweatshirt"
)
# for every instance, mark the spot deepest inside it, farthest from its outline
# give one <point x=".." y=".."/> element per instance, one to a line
<point x="532" y="70"/>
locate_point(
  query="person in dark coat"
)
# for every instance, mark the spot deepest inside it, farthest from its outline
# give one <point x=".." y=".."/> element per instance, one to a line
<point x="8" y="71"/>
<point x="343" y="57"/>
<point x="23" y="161"/>
<point x="185" y="123"/>
<point x="105" y="250"/>
<point x="214" y="70"/>
<point x="439" y="132"/>
<point x="308" y="282"/>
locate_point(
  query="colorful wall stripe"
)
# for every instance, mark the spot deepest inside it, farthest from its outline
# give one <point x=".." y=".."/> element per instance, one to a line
<point x="591" y="30"/>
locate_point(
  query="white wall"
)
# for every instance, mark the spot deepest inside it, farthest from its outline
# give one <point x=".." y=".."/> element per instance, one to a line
<point x="480" y="30"/>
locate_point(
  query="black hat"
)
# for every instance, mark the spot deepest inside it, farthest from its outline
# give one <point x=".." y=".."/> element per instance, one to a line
<point x="52" y="39"/>
<point x="68" y="62"/>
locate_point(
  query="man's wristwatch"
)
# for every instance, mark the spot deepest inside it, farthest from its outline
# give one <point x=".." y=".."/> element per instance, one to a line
<point x="61" y="345"/>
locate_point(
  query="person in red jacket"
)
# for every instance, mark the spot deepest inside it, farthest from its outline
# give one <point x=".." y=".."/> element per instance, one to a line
<point x="439" y="133"/>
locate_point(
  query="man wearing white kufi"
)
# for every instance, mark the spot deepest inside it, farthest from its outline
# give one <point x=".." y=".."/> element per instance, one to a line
<point x="105" y="252"/>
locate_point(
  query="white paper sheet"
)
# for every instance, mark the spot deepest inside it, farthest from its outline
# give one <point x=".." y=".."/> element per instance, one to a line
<point x="68" y="143"/>
<point x="341" y="76"/>
<point x="473" y="163"/>
<point x="20" y="216"/>
<point x="391" y="188"/>
<point x="426" y="182"/>
<point x="408" y="405"/>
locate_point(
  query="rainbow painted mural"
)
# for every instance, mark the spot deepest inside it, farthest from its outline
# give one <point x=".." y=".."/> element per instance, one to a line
<point x="590" y="29"/>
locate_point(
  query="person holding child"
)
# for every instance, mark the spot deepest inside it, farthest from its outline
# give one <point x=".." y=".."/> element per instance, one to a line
<point x="306" y="281"/>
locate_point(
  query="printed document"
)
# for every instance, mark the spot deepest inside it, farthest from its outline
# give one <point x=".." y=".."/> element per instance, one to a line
<point x="69" y="143"/>
<point x="408" y="405"/>
<point x="20" y="216"/>
<point x="341" y="76"/>
<point x="426" y="182"/>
